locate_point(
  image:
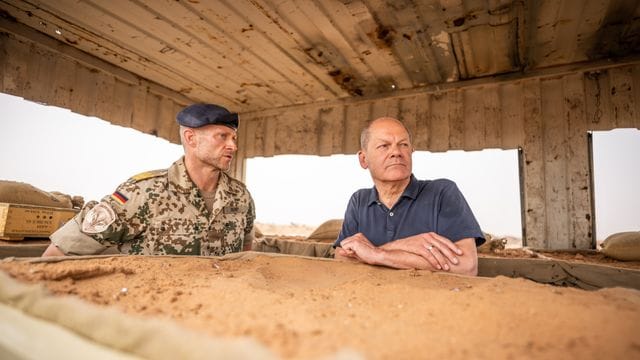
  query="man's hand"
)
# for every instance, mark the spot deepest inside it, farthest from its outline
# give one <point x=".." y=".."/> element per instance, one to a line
<point x="52" y="250"/>
<point x="436" y="249"/>
<point x="342" y="254"/>
<point x="358" y="247"/>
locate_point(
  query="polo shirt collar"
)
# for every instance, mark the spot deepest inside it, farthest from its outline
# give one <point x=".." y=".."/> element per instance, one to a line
<point x="411" y="191"/>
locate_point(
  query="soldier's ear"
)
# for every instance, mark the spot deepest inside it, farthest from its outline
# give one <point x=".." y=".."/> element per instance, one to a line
<point x="189" y="136"/>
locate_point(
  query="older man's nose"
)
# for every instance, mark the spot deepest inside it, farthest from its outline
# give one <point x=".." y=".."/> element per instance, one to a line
<point x="395" y="150"/>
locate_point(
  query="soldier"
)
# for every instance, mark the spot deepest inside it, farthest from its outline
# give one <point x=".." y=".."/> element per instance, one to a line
<point x="403" y="222"/>
<point x="192" y="208"/>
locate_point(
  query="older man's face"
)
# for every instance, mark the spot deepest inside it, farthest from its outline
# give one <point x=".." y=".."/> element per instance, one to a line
<point x="388" y="153"/>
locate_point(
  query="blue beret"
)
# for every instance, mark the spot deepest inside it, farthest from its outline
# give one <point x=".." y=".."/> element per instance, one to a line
<point x="197" y="115"/>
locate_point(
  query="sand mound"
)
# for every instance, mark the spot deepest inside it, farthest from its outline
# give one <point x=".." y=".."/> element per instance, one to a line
<point x="623" y="246"/>
<point x="22" y="193"/>
<point x="327" y="232"/>
<point x="309" y="308"/>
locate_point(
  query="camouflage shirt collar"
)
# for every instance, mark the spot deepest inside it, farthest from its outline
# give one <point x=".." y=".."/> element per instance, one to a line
<point x="180" y="179"/>
<point x="224" y="184"/>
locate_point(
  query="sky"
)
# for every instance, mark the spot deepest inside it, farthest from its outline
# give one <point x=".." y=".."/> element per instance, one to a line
<point x="57" y="150"/>
<point x="616" y="162"/>
<point x="323" y="185"/>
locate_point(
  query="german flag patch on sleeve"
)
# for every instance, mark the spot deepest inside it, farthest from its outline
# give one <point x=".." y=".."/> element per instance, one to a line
<point x="119" y="197"/>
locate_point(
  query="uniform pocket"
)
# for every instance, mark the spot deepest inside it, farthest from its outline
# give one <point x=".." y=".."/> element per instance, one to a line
<point x="229" y="209"/>
<point x="173" y="237"/>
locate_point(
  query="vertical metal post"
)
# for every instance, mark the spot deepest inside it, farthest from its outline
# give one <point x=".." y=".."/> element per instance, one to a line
<point x="594" y="241"/>
<point x="521" y="175"/>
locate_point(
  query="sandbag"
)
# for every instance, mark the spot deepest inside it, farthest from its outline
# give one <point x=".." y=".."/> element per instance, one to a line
<point x="327" y="232"/>
<point x="624" y="246"/>
<point x="291" y="247"/>
<point x="257" y="232"/>
<point x="492" y="244"/>
<point x="77" y="201"/>
<point x="104" y="326"/>
<point x="21" y="193"/>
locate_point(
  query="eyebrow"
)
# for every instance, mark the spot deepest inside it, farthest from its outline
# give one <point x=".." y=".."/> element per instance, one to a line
<point x="407" y="139"/>
<point x="225" y="131"/>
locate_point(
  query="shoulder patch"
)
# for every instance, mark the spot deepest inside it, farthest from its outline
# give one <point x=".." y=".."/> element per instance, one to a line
<point x="148" y="175"/>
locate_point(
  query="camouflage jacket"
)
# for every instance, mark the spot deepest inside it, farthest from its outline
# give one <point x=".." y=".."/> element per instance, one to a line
<point x="162" y="212"/>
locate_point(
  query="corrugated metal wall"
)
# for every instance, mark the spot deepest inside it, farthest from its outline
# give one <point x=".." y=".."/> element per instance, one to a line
<point x="548" y="116"/>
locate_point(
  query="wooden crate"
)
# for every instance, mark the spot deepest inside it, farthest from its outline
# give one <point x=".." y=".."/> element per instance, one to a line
<point x="18" y="221"/>
<point x="25" y="248"/>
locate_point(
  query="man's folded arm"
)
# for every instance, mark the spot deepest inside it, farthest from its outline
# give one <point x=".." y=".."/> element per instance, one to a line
<point x="467" y="260"/>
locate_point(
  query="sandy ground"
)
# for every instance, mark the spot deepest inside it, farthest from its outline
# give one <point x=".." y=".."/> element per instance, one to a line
<point x="303" y="308"/>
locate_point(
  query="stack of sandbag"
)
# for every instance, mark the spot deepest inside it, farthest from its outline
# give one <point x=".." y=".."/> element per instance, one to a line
<point x="327" y="232"/>
<point x="14" y="192"/>
<point x="270" y="244"/>
<point x="492" y="244"/>
<point x="624" y="246"/>
<point x="257" y="233"/>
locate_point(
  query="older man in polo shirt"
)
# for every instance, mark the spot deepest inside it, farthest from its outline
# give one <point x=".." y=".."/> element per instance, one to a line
<point x="403" y="222"/>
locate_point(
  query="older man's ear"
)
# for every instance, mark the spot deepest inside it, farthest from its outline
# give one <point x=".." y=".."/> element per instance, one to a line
<point x="362" y="158"/>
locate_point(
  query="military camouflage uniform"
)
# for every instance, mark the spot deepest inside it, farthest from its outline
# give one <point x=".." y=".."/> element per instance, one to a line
<point x="162" y="212"/>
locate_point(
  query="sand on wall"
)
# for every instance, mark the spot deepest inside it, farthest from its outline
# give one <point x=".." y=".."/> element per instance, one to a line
<point x="305" y="308"/>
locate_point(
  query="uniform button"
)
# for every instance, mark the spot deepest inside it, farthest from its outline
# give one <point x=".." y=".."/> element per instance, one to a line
<point x="391" y="214"/>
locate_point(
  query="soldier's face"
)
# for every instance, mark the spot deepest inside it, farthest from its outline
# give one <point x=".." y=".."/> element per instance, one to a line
<point x="216" y="145"/>
<point x="388" y="153"/>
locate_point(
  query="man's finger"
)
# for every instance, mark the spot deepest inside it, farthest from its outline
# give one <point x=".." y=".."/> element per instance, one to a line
<point x="446" y="252"/>
<point x="347" y="246"/>
<point x="347" y="255"/>
<point x="351" y="245"/>
<point x="438" y="258"/>
<point x="448" y="243"/>
<point x="441" y="248"/>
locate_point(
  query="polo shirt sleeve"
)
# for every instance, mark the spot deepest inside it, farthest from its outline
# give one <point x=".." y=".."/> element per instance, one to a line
<point x="455" y="218"/>
<point x="350" y="223"/>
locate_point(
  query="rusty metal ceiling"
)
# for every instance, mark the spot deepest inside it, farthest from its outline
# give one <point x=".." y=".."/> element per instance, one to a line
<point x="253" y="55"/>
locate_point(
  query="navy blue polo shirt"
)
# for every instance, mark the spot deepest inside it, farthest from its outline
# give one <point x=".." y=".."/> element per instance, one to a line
<point x="425" y="206"/>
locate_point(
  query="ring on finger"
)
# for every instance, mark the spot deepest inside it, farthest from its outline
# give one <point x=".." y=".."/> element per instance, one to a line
<point x="429" y="247"/>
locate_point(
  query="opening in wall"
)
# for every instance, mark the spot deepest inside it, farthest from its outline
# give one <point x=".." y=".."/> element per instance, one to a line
<point x="55" y="149"/>
<point x="615" y="176"/>
<point x="308" y="190"/>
